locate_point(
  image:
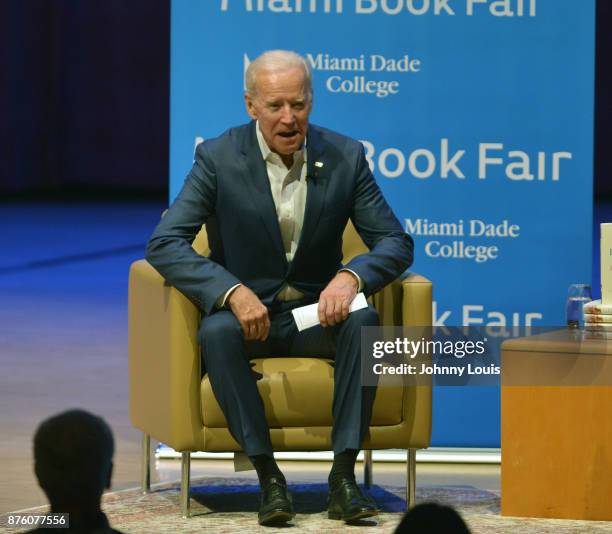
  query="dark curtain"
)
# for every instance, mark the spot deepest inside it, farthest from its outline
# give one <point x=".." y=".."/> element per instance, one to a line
<point x="84" y="95"/>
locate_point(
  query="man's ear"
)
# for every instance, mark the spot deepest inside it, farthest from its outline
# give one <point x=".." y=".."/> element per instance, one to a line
<point x="250" y="106"/>
<point x="38" y="472"/>
<point x="109" y="477"/>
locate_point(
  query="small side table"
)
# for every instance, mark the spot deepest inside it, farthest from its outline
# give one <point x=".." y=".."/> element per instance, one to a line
<point x="556" y="436"/>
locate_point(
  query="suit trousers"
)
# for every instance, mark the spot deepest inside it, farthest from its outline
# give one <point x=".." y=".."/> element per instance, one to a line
<point x="226" y="357"/>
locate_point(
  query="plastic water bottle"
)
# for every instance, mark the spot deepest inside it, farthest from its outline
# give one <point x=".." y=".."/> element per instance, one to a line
<point x="577" y="296"/>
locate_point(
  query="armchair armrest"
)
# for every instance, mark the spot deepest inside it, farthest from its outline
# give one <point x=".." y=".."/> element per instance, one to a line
<point x="405" y="301"/>
<point x="164" y="360"/>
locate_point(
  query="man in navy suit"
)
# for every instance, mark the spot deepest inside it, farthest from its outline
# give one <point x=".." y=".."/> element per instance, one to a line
<point x="276" y="195"/>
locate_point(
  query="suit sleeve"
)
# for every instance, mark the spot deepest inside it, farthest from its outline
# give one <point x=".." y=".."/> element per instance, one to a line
<point x="391" y="249"/>
<point x="169" y="250"/>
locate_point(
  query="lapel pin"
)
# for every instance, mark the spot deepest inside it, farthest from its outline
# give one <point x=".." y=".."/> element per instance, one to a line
<point x="318" y="164"/>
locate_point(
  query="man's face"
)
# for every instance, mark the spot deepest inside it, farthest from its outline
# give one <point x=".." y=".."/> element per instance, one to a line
<point x="282" y="105"/>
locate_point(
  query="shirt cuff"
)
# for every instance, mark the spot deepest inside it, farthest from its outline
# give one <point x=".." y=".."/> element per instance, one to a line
<point x="221" y="301"/>
<point x="360" y="287"/>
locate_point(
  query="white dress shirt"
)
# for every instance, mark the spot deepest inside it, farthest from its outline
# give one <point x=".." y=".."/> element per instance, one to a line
<point x="289" y="191"/>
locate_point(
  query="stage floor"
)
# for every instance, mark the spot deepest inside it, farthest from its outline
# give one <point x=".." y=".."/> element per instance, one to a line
<point x="63" y="342"/>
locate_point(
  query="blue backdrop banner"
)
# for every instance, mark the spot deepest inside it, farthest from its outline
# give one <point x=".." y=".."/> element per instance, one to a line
<point x="477" y="119"/>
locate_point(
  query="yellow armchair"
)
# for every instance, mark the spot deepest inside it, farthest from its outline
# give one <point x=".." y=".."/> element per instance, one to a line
<point x="170" y="401"/>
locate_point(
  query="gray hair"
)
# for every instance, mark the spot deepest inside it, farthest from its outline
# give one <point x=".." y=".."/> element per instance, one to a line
<point x="275" y="61"/>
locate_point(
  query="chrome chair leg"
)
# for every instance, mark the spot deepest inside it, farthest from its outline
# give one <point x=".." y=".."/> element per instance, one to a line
<point x="185" y="468"/>
<point x="367" y="469"/>
<point x="410" y="478"/>
<point x="145" y="469"/>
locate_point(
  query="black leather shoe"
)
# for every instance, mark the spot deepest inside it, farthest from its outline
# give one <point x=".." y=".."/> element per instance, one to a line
<point x="275" y="506"/>
<point x="348" y="503"/>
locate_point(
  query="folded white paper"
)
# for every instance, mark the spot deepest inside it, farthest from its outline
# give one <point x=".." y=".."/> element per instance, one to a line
<point x="308" y="316"/>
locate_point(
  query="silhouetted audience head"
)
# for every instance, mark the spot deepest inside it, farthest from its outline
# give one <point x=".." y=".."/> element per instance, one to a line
<point x="73" y="453"/>
<point x="430" y="518"/>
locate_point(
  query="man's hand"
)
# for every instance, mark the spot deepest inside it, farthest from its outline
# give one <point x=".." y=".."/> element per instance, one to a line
<point x="336" y="298"/>
<point x="251" y="313"/>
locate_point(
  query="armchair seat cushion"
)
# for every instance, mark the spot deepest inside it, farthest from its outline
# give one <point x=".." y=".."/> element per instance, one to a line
<point x="298" y="392"/>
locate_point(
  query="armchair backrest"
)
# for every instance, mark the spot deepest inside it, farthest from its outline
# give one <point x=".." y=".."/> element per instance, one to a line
<point x="200" y="243"/>
<point x="352" y="245"/>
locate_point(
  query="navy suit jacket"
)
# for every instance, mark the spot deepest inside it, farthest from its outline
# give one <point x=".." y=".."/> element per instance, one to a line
<point x="229" y="190"/>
